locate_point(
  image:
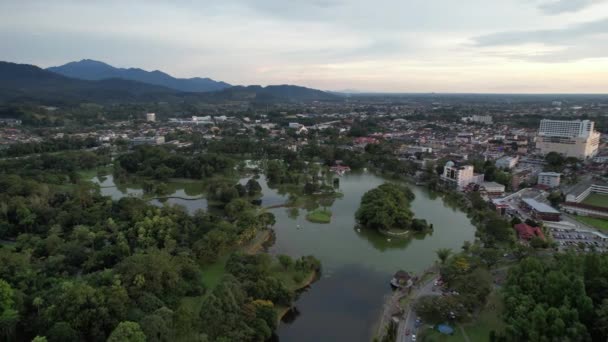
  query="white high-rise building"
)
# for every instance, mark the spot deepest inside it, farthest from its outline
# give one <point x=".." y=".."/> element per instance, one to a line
<point x="569" y="138"/>
<point x="460" y="176"/>
<point x="151" y="117"/>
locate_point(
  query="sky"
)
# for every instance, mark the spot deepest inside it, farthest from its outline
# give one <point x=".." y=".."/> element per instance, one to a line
<point x="479" y="46"/>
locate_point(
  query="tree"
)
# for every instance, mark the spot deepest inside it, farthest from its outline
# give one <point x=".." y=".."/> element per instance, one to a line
<point x="386" y="207"/>
<point x="127" y="332"/>
<point x="253" y="187"/>
<point x="443" y="254"/>
<point x="8" y="314"/>
<point x="285" y="261"/>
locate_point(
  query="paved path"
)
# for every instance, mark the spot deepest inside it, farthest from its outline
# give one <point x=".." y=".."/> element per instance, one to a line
<point x="408" y="321"/>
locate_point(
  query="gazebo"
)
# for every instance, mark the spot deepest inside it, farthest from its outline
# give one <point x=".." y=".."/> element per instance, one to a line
<point x="402" y="279"/>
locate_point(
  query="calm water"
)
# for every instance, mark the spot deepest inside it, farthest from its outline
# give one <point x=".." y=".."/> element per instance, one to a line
<point x="357" y="265"/>
<point x="346" y="302"/>
<point x="186" y="194"/>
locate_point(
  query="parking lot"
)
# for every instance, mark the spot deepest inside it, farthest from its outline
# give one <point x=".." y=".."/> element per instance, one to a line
<point x="571" y="238"/>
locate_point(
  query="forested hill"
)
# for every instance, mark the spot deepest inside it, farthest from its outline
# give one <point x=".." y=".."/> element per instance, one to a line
<point x="87" y="69"/>
<point x="23" y="82"/>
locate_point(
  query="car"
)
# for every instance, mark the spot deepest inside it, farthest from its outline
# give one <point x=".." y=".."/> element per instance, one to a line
<point x="413" y="338"/>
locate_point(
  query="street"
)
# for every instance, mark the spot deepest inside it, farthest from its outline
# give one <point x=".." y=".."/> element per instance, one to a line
<point x="408" y="321"/>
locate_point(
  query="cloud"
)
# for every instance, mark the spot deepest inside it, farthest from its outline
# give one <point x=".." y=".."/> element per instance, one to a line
<point x="564" y="6"/>
<point x="577" y="42"/>
<point x="565" y="36"/>
<point x="397" y="45"/>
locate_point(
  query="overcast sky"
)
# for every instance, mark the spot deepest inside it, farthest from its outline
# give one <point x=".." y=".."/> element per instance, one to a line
<point x="495" y="46"/>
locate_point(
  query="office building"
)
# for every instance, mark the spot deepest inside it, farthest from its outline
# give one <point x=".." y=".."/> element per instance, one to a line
<point x="151" y="117"/>
<point x="570" y="138"/>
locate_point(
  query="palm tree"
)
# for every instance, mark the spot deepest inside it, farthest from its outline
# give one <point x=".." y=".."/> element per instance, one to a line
<point x="38" y="302"/>
<point x="443" y="254"/>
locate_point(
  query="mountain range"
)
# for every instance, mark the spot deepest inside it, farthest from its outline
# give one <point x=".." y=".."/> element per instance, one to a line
<point x="88" y="69"/>
<point x="23" y="82"/>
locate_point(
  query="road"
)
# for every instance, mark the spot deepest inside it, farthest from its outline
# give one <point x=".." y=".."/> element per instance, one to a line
<point x="408" y="321"/>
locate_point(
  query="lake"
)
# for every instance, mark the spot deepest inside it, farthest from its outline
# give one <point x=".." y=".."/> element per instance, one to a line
<point x="346" y="302"/>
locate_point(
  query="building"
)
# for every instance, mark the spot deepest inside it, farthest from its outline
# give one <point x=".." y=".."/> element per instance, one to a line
<point x="460" y="176"/>
<point x="148" y="141"/>
<point x="584" y="189"/>
<point x="10" y="122"/>
<point x="540" y="211"/>
<point x="570" y="138"/>
<point x="493" y="188"/>
<point x="507" y="162"/>
<point x="151" y="117"/>
<point x="484" y="119"/>
<point x="527" y="232"/>
<point x="550" y="179"/>
<point x="202" y="120"/>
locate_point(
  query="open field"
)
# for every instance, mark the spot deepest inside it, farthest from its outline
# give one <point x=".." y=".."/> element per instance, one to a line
<point x="592" y="221"/>
<point x="598" y="200"/>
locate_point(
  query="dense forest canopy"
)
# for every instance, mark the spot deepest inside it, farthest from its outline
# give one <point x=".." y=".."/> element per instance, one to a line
<point x="75" y="265"/>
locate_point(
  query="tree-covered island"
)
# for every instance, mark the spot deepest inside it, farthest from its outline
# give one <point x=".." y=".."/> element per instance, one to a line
<point x="387" y="210"/>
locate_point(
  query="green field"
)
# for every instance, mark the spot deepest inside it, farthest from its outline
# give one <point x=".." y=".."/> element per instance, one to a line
<point x="598" y="200"/>
<point x="319" y="216"/>
<point x="213" y="273"/>
<point x="593" y="222"/>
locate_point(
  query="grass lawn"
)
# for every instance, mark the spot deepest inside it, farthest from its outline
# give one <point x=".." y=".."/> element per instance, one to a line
<point x="213" y="273"/>
<point x="594" y="222"/>
<point x="319" y="216"/>
<point x="598" y="200"/>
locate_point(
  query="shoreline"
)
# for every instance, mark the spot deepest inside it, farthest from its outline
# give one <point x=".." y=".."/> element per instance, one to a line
<point x="256" y="244"/>
<point x="283" y="310"/>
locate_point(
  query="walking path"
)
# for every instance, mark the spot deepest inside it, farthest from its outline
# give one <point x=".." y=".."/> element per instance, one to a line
<point x="464" y="333"/>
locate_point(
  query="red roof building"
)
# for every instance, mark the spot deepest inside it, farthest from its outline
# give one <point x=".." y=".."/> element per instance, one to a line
<point x="526" y="232"/>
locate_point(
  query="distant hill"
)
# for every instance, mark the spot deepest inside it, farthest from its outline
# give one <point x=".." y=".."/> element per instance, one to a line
<point x="272" y="93"/>
<point x="23" y="82"/>
<point x="88" y="69"/>
<point x="30" y="83"/>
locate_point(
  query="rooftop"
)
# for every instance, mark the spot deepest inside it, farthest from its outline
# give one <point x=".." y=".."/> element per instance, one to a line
<point x="539" y="206"/>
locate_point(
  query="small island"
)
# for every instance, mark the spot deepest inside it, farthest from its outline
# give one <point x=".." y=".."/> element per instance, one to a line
<point x="319" y="216"/>
<point x="387" y="210"/>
